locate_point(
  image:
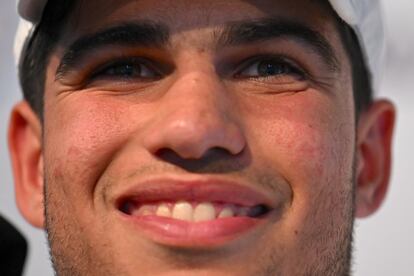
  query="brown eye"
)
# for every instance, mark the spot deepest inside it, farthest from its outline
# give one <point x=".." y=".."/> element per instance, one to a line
<point x="127" y="69"/>
<point x="263" y="68"/>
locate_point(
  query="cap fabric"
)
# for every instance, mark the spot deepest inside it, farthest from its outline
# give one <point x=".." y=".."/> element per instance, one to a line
<point x="364" y="16"/>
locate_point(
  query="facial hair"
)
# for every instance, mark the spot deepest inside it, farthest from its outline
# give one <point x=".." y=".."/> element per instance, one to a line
<point x="332" y="249"/>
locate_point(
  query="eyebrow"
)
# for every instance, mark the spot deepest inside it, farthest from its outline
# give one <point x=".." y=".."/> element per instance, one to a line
<point x="144" y="34"/>
<point x="152" y="34"/>
<point x="240" y="33"/>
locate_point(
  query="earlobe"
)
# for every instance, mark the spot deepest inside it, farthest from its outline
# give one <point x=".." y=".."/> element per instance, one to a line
<point x="25" y="146"/>
<point x="374" y="141"/>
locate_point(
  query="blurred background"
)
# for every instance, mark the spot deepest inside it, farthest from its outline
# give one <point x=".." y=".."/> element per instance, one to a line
<point x="384" y="243"/>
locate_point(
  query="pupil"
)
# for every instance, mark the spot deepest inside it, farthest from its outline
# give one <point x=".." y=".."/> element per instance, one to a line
<point x="127" y="70"/>
<point x="270" y="69"/>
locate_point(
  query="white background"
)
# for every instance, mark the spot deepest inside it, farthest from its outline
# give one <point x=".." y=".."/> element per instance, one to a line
<point x="384" y="243"/>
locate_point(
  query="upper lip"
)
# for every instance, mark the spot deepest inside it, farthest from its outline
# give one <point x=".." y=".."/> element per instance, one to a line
<point x="194" y="189"/>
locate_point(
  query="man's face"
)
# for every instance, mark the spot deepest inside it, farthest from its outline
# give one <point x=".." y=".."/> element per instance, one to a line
<point x="199" y="137"/>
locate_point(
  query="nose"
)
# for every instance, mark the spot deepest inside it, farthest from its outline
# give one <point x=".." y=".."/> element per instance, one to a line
<point x="195" y="116"/>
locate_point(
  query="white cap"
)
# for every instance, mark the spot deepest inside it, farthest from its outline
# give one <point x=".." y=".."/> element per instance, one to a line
<point x="364" y="16"/>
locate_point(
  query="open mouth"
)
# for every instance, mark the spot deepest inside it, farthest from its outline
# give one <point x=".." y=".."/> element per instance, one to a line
<point x="191" y="211"/>
<point x="200" y="213"/>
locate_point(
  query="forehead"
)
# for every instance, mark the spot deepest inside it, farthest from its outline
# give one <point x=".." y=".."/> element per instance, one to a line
<point x="187" y="15"/>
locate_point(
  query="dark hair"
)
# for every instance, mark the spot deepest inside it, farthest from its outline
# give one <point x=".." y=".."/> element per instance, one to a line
<point x="37" y="51"/>
<point x="361" y="76"/>
<point x="42" y="42"/>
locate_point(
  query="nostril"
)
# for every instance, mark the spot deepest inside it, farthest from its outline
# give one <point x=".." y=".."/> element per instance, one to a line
<point x="212" y="153"/>
<point x="168" y="155"/>
<point x="215" y="160"/>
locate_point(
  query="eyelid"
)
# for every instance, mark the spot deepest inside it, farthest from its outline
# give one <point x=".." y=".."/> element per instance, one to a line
<point x="100" y="69"/>
<point x="273" y="58"/>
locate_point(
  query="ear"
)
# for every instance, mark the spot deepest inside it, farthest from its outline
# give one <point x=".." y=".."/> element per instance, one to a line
<point x="374" y="141"/>
<point x="25" y="146"/>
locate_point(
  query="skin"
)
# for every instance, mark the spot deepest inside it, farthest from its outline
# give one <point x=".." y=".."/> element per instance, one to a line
<point x="294" y="139"/>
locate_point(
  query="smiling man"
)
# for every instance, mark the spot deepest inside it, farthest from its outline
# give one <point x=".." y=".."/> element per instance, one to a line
<point x="200" y="137"/>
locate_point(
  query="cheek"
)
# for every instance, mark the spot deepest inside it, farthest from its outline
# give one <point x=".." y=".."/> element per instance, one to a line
<point x="309" y="144"/>
<point x="82" y="135"/>
<point x="309" y="140"/>
<point x="305" y="130"/>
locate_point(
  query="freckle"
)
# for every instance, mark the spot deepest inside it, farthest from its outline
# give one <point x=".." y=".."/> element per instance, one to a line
<point x="296" y="232"/>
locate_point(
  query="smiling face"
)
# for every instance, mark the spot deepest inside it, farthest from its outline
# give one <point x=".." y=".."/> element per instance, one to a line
<point x="194" y="137"/>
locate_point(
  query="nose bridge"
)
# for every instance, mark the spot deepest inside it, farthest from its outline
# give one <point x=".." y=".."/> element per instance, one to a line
<point x="194" y="118"/>
<point x="197" y="84"/>
<point x="198" y="96"/>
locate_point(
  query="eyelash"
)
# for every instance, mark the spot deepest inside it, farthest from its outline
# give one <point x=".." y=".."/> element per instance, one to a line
<point x="154" y="73"/>
<point x="292" y="68"/>
<point x="132" y="63"/>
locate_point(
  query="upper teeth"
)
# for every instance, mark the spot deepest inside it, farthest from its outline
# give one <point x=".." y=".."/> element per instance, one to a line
<point x="204" y="212"/>
<point x="163" y="211"/>
<point x="183" y="211"/>
<point x="187" y="211"/>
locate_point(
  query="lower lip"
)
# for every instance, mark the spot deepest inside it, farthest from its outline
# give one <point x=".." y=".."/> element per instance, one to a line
<point x="181" y="233"/>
